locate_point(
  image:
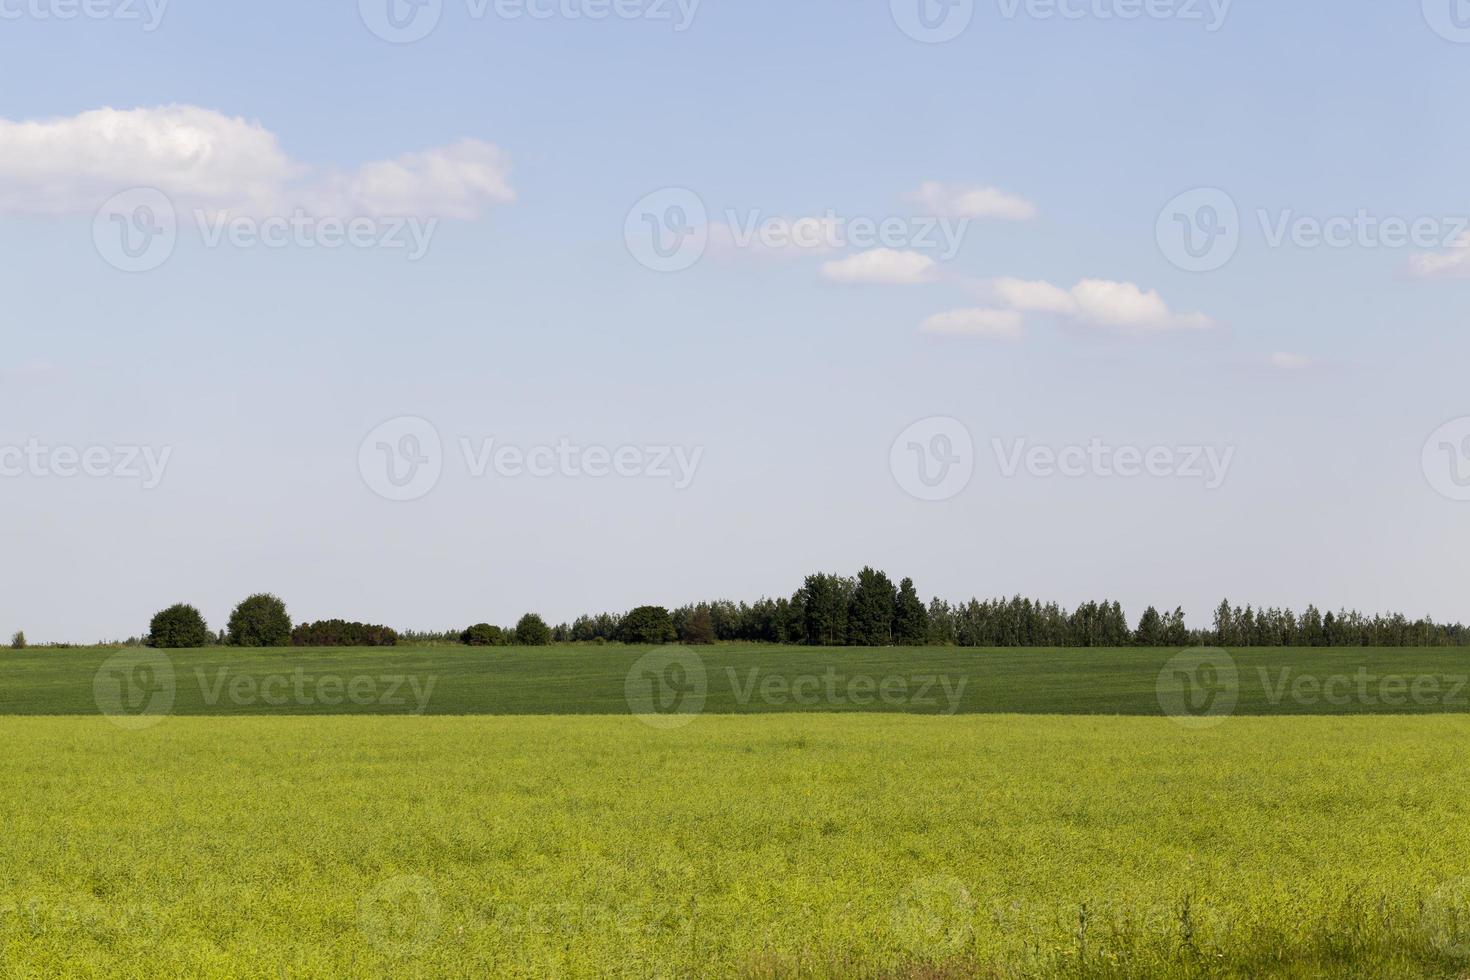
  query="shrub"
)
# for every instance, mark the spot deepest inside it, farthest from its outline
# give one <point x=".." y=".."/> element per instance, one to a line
<point x="18" y="641"/>
<point x="177" y="627"/>
<point x="647" y="624"/>
<point x="340" y="633"/>
<point x="532" y="631"/>
<point x="483" y="635"/>
<point x="260" y="621"/>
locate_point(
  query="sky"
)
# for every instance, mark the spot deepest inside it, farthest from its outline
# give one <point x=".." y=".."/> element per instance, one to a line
<point x="437" y="313"/>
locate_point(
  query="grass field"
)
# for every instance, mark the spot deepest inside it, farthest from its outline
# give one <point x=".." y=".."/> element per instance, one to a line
<point x="773" y="845"/>
<point x="514" y="812"/>
<point x="738" y="680"/>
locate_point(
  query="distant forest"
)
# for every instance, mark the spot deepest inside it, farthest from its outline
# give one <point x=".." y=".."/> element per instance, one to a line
<point x="870" y="610"/>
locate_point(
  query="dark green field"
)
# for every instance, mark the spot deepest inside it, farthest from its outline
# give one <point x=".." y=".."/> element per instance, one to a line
<point x="737" y="679"/>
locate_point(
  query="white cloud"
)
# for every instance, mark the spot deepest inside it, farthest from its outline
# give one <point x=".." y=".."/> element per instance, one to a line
<point x="1034" y="296"/>
<point x="1453" y="264"/>
<point x="971" y="202"/>
<point x="1118" y="306"/>
<point x="992" y="324"/>
<point x="1289" y="362"/>
<point x="204" y="159"/>
<point x="1124" y="306"/>
<point x="883" y="265"/>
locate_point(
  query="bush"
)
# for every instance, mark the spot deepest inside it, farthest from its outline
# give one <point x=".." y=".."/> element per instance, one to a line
<point x="483" y="635"/>
<point x="18" y="641"/>
<point x="340" y="633"/>
<point x="532" y="631"/>
<point x="260" y="621"/>
<point x="177" y="627"/>
<point x="647" y="624"/>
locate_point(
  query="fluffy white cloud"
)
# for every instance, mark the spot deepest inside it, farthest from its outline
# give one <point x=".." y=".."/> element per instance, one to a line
<point x="884" y="265"/>
<point x="1451" y="264"/>
<point x="204" y="159"/>
<point x="971" y="202"/>
<point x="1118" y="306"/>
<point x="991" y="324"/>
<point x="1034" y="296"/>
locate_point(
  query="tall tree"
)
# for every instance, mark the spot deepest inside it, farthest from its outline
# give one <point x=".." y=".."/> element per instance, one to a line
<point x="870" y="611"/>
<point x="910" y="618"/>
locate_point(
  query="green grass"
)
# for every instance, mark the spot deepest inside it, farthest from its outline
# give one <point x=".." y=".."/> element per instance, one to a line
<point x="876" y="845"/>
<point x="591" y="680"/>
<point x="1005" y="813"/>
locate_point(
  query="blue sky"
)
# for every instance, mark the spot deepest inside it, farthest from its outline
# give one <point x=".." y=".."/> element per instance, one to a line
<point x="1327" y="370"/>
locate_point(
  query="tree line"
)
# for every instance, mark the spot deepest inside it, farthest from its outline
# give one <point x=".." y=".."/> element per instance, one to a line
<point x="866" y="609"/>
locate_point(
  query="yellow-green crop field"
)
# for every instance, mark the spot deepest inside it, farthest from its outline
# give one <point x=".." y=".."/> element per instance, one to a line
<point x="772" y="845"/>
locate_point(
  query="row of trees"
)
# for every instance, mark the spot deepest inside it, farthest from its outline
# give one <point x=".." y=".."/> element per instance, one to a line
<point x="867" y="609"/>
<point x="259" y="621"/>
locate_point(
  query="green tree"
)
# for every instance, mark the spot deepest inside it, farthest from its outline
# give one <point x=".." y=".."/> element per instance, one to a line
<point x="1224" y="625"/>
<point x="647" y="624"/>
<point x="823" y="601"/>
<point x="18" y="641"/>
<point x="1150" y="632"/>
<point x="260" y="621"/>
<point x="870" y="611"/>
<point x="177" y="627"/>
<point x="483" y="635"/>
<point x="699" y="628"/>
<point x="532" y="631"/>
<point x="910" y="618"/>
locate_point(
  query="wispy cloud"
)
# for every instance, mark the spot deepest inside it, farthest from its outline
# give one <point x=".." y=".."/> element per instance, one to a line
<point x="1120" y="307"/>
<point x="964" y="201"/>
<point x="205" y="159"/>
<point x="989" y="324"/>
<point x="881" y="265"/>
